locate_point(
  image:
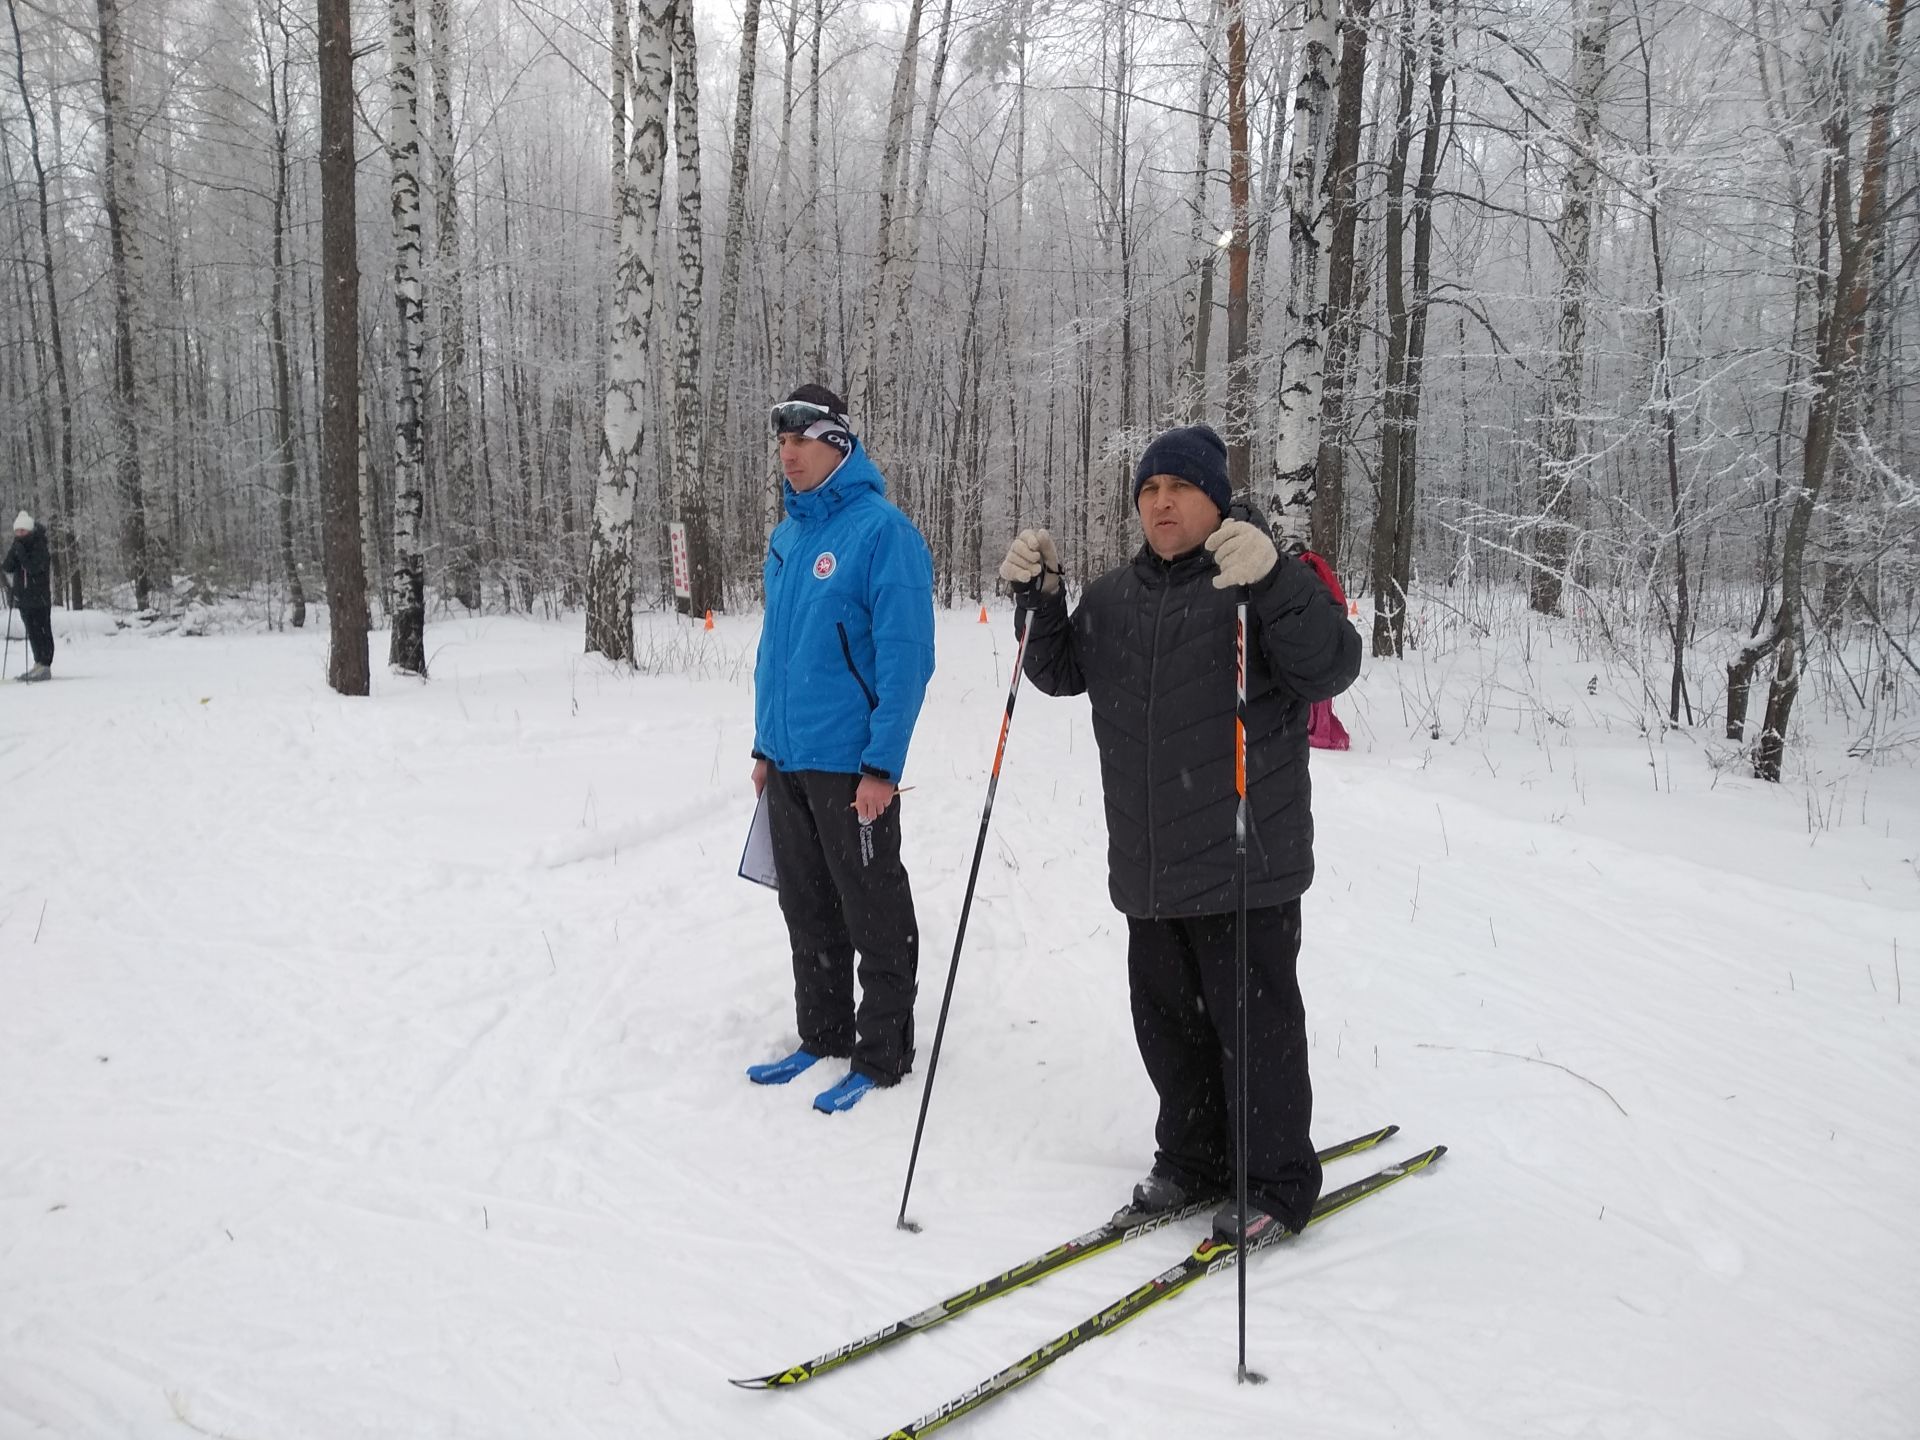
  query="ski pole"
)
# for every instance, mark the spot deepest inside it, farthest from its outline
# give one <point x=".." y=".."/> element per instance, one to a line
<point x="1240" y="1064"/>
<point x="966" y="907"/>
<point x="6" y="663"/>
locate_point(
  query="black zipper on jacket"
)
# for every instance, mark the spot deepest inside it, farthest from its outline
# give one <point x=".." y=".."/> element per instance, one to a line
<point x="1153" y="676"/>
<point x="846" y="649"/>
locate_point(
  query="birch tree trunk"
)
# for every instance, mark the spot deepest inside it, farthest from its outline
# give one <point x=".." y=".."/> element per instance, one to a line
<point x="867" y="362"/>
<point x="131" y="417"/>
<point x="1196" y="300"/>
<point x="813" y="309"/>
<point x="1296" y="457"/>
<point x="898" y="304"/>
<point x="1573" y="245"/>
<point x="689" y="429"/>
<point x="407" y="586"/>
<point x="347" y="668"/>
<point x="1341" y="188"/>
<point x="65" y="551"/>
<point x="780" y="347"/>
<point x="456" y="448"/>
<point x="623" y="431"/>
<point x="621" y="78"/>
<point x="1116" y="536"/>
<point x="720" y="483"/>
<point x="1239" y="399"/>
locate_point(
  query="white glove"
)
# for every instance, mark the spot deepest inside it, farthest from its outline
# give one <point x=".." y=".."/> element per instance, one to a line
<point x="1243" y="552"/>
<point x="1032" y="556"/>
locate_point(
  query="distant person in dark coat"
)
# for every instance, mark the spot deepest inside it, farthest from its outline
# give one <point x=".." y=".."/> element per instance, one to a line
<point x="1151" y="644"/>
<point x="28" y="569"/>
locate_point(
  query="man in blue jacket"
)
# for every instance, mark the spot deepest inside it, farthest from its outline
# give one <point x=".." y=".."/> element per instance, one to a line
<point x="844" y="660"/>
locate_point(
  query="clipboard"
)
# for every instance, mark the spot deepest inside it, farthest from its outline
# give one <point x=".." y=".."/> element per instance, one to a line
<point x="756" y="856"/>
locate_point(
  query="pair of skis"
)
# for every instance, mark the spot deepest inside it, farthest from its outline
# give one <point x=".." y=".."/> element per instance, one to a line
<point x="1209" y="1256"/>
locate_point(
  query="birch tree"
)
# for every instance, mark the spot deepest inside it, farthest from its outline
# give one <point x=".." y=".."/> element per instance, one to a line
<point x="719" y="480"/>
<point x="623" y="431"/>
<point x="1196" y="296"/>
<point x="450" y="315"/>
<point x="407" y="586"/>
<point x="688" y="431"/>
<point x="1309" y="227"/>
<point x="813" y="314"/>
<point x="1239" y="396"/>
<point x="1341" y="186"/>
<point x="869" y="362"/>
<point x="1560" y="462"/>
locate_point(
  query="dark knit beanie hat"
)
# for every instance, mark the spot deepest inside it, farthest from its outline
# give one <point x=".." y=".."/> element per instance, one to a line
<point x="1195" y="453"/>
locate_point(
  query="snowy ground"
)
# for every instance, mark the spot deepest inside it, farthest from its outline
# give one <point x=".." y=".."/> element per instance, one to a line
<point x="374" y="1069"/>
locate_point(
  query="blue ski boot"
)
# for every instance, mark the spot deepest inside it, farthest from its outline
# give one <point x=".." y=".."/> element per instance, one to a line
<point x="779" y="1072"/>
<point x="843" y="1096"/>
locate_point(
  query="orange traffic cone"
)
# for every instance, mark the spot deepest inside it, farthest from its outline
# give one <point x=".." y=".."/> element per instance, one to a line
<point x="1353" y="609"/>
<point x="983" y="614"/>
<point x="709" y="619"/>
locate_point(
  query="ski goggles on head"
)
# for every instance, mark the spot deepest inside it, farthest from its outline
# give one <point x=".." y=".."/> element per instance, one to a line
<point x="803" y="417"/>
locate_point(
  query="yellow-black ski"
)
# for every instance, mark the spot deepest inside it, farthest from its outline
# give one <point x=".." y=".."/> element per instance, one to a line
<point x="1094" y="1242"/>
<point x="1208" y="1256"/>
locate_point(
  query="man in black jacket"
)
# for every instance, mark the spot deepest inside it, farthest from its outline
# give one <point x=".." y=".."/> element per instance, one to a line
<point x="1152" y="645"/>
<point x="29" y="574"/>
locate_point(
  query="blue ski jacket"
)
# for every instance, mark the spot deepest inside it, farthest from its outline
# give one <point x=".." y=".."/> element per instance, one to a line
<point x="847" y="647"/>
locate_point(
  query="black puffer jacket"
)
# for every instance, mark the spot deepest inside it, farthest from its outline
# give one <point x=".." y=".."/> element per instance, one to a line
<point x="1152" y="646"/>
<point x="29" y="568"/>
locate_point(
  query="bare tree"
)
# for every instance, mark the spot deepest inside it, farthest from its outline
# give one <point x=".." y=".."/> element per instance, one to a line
<point x="1239" y="398"/>
<point x="689" y="427"/>
<point x="1196" y="297"/>
<point x="1303" y="358"/>
<point x="629" y="351"/>
<point x="131" y="410"/>
<point x="407" y="588"/>
<point x="347" y="669"/>
<point x="1856" y="229"/>
<point x="1342" y="202"/>
<point x="1682" y="616"/>
<point x="65" y="552"/>
<point x="719" y="482"/>
<point x="450" y="320"/>
<point x="1560" y="459"/>
<point x="1394" y="511"/>
<point x="279" y="70"/>
<point x="868" y="361"/>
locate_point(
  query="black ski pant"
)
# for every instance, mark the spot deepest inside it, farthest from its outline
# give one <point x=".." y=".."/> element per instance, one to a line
<point x="1184" y="975"/>
<point x="38" y="620"/>
<point x="842" y="890"/>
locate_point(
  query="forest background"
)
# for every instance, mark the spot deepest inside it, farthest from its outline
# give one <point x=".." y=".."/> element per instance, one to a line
<point x="1606" y="302"/>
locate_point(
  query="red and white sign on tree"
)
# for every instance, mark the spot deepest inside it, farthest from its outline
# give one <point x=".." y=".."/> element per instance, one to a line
<point x="682" y="571"/>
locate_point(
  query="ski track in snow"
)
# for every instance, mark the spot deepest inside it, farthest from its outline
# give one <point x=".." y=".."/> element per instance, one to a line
<point x="374" y="1069"/>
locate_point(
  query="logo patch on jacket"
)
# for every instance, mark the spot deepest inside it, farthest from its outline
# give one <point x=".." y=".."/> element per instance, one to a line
<point x="823" y="567"/>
